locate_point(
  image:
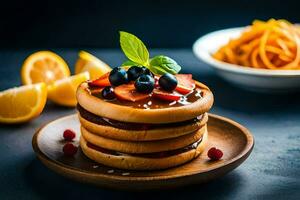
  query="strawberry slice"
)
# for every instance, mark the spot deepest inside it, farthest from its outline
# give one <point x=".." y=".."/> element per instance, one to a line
<point x="186" y="84"/>
<point x="103" y="81"/>
<point x="167" y="96"/>
<point x="129" y="93"/>
<point x="183" y="90"/>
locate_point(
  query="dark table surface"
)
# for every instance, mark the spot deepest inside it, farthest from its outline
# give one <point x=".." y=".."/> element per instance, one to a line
<point x="271" y="172"/>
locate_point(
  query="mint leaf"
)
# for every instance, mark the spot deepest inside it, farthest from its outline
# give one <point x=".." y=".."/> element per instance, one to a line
<point x="130" y="63"/>
<point x="163" y="64"/>
<point x="134" y="49"/>
<point x="157" y="70"/>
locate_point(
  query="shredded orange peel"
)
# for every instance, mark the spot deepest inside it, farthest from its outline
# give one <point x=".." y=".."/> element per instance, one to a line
<point x="274" y="44"/>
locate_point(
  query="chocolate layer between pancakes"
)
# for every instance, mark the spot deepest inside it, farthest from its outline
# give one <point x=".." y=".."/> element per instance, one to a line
<point x="129" y="125"/>
<point x="161" y="154"/>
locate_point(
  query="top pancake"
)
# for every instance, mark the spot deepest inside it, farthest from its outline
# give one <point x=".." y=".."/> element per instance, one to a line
<point x="123" y="113"/>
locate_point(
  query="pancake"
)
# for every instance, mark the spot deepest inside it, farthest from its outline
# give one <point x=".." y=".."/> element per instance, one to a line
<point x="151" y="134"/>
<point x="140" y="162"/>
<point x="103" y="108"/>
<point x="144" y="146"/>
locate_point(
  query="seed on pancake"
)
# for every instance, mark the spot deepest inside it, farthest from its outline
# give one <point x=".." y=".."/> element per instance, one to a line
<point x="214" y="153"/>
<point x="69" y="135"/>
<point x="172" y="103"/>
<point x="108" y="93"/>
<point x="70" y="149"/>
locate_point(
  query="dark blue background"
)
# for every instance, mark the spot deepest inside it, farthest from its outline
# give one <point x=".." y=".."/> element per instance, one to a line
<point x="160" y="23"/>
<point x="272" y="170"/>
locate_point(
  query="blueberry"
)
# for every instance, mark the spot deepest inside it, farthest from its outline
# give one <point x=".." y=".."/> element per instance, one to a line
<point x="144" y="83"/>
<point x="108" y="93"/>
<point x="118" y="76"/>
<point x="134" y="72"/>
<point x="168" y="82"/>
<point x="147" y="71"/>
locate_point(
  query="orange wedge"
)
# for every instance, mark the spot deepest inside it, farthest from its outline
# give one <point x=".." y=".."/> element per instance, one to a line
<point x="63" y="92"/>
<point x="44" y="66"/>
<point x="90" y="63"/>
<point x="23" y="103"/>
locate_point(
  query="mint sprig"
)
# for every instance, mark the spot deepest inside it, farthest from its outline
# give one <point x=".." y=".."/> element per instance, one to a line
<point x="138" y="55"/>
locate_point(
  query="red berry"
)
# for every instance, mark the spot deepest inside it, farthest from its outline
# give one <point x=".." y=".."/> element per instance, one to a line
<point x="70" y="149"/>
<point x="214" y="153"/>
<point x="69" y="135"/>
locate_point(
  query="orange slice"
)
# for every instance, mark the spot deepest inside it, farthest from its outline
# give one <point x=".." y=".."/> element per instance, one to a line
<point x="23" y="103"/>
<point x="44" y="66"/>
<point x="63" y="92"/>
<point x="90" y="63"/>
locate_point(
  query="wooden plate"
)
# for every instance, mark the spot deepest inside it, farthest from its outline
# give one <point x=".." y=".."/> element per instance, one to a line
<point x="235" y="141"/>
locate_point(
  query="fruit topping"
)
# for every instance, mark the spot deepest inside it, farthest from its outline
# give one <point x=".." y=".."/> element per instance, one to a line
<point x="103" y="81"/>
<point x="144" y="84"/>
<point x="214" y="153"/>
<point x="70" y="149"/>
<point x="186" y="84"/>
<point x="118" y="76"/>
<point x="22" y="104"/>
<point x="44" y="66"/>
<point x="92" y="64"/>
<point x="69" y="135"/>
<point x="63" y="92"/>
<point x="134" y="72"/>
<point x="183" y="90"/>
<point x="167" y="82"/>
<point x="129" y="93"/>
<point x="108" y="93"/>
<point x="167" y="96"/>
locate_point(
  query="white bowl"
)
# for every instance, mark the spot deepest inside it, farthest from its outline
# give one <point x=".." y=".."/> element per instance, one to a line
<point x="246" y="77"/>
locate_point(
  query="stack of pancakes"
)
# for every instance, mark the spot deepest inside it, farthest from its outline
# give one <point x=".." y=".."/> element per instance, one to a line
<point x="142" y="139"/>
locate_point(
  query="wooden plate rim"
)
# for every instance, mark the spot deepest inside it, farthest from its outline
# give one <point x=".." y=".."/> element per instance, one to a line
<point x="55" y="164"/>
